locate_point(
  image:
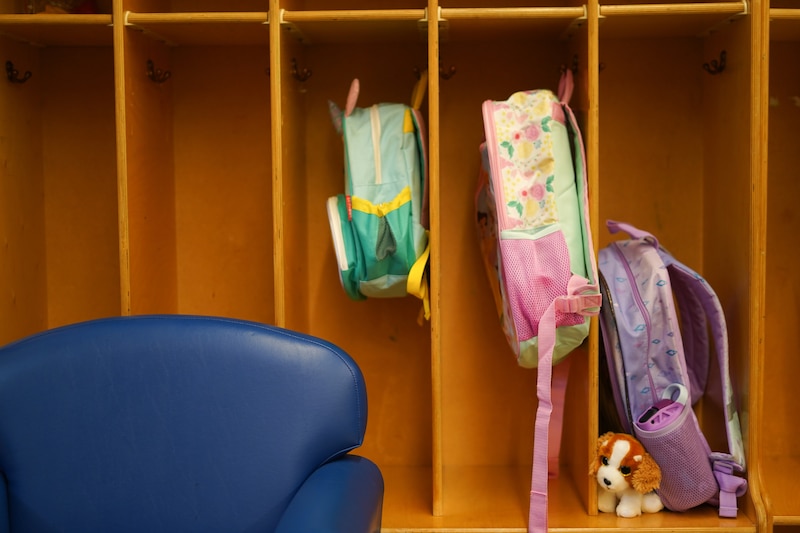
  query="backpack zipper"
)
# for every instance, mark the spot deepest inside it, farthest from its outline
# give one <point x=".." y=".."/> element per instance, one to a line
<point x="645" y="315"/>
<point x="375" y="123"/>
<point x="339" y="247"/>
<point x="622" y="387"/>
<point x="494" y="167"/>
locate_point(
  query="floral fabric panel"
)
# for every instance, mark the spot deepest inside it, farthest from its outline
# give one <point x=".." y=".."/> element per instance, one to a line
<point x="525" y="155"/>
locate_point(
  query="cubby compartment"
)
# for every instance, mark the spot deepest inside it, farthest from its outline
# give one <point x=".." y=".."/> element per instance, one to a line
<point x="780" y="458"/>
<point x="487" y="401"/>
<point x="60" y="257"/>
<point x="675" y="148"/>
<point x="196" y="191"/>
<point x="319" y="60"/>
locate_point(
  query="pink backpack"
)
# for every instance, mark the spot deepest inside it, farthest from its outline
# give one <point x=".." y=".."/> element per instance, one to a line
<point x="533" y="223"/>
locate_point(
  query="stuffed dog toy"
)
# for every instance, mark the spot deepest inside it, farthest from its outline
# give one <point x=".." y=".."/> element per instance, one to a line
<point x="626" y="476"/>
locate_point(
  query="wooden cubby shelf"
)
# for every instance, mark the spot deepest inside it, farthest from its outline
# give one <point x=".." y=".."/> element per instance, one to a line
<point x="175" y="156"/>
<point x="782" y="94"/>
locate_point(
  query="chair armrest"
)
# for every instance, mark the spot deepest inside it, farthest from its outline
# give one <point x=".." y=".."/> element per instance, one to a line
<point x="342" y="496"/>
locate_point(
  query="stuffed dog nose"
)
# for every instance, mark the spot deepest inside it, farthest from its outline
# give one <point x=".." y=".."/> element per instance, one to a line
<point x="607" y="482"/>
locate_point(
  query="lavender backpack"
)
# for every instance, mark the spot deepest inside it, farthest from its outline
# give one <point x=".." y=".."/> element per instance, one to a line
<point x="659" y="364"/>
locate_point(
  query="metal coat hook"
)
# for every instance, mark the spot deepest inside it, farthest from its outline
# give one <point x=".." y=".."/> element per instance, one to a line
<point x="156" y="74"/>
<point x="573" y="67"/>
<point x="300" y="75"/>
<point x="714" y="66"/>
<point x="13" y="74"/>
<point x="444" y="72"/>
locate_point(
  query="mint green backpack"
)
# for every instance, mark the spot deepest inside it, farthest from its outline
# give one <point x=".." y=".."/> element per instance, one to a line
<point x="379" y="225"/>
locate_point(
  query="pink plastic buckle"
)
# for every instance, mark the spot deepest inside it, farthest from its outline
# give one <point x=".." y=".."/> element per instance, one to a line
<point x="582" y="304"/>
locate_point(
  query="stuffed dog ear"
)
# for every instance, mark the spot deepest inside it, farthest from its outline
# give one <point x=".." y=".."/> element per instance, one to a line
<point x="595" y="465"/>
<point x="647" y="476"/>
<point x="602" y="440"/>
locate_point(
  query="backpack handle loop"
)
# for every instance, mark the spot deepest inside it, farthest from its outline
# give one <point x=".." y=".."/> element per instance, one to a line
<point x="635" y="233"/>
<point x="566" y="85"/>
<point x="419" y="90"/>
<point x="352" y="97"/>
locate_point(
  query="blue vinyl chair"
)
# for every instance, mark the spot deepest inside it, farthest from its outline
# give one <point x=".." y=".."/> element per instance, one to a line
<point x="179" y="424"/>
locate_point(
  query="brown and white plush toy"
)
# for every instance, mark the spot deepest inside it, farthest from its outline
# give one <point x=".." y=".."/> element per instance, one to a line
<point x="626" y="476"/>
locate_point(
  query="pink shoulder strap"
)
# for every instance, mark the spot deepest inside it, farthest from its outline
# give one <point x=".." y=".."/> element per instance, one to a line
<point x="537" y="514"/>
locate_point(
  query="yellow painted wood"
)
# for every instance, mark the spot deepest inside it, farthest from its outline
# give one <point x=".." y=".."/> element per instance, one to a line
<point x="365" y="15"/>
<point x="635" y="8"/>
<point x="586" y="103"/>
<point x="123" y="222"/>
<point x="59" y="30"/>
<point x="679" y="19"/>
<point x="278" y="140"/>
<point x="508" y="13"/>
<point x="759" y="104"/>
<point x="435" y="271"/>
<point x="217" y="28"/>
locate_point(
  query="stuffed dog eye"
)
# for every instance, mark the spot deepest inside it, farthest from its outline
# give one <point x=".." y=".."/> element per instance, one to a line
<point x="625" y="470"/>
<point x="604" y="459"/>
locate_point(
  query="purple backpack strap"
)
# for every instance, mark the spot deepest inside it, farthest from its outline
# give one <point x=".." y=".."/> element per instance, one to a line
<point x="694" y="331"/>
<point x="695" y="292"/>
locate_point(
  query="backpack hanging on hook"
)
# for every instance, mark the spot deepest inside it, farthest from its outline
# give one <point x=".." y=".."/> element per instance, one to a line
<point x="379" y="225"/>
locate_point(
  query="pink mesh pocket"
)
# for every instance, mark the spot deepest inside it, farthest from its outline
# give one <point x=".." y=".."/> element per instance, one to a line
<point x="683" y="455"/>
<point x="536" y="272"/>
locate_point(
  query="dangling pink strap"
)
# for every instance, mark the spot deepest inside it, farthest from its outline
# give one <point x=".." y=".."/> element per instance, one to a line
<point x="537" y="514"/>
<point x="559" y="396"/>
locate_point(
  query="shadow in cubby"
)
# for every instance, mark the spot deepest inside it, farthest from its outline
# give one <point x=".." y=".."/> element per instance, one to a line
<point x="60" y="255"/>
<point x="198" y="187"/>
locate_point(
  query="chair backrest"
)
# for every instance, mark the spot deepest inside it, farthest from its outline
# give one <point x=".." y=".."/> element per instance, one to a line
<point x="168" y="423"/>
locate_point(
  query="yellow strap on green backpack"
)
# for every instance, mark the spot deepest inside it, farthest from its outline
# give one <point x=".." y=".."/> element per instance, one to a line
<point x="419" y="90"/>
<point x="417" y="283"/>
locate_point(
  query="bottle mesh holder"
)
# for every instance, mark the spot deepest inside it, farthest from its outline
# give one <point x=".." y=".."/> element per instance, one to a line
<point x="682" y="453"/>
